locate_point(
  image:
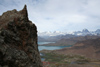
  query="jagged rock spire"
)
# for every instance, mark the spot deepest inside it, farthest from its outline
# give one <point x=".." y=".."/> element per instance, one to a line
<point x="24" y="12"/>
<point x="25" y="7"/>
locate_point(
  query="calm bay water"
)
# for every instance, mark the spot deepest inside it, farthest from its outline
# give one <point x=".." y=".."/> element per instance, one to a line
<point x="50" y="47"/>
<point x="40" y="43"/>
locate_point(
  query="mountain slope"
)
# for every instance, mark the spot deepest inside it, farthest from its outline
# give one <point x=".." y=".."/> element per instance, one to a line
<point x="71" y="41"/>
<point x="89" y="48"/>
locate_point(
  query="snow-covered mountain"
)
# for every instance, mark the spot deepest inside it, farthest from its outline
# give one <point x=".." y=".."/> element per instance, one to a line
<point x="49" y="33"/>
<point x="83" y="32"/>
<point x="76" y="33"/>
<point x="97" y="31"/>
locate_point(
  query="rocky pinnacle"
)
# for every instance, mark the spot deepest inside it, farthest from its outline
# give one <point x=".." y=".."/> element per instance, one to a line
<point x="18" y="40"/>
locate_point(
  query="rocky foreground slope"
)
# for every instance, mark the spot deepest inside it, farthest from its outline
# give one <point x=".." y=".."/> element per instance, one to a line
<point x="18" y="40"/>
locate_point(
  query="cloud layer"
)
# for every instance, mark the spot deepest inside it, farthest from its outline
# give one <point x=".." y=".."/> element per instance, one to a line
<point x="59" y="15"/>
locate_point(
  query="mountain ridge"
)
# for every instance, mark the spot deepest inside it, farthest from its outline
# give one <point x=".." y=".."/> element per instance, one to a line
<point x="62" y="35"/>
<point x="71" y="41"/>
<point x="84" y="32"/>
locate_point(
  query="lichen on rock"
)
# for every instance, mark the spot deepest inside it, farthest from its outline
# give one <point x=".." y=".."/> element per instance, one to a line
<point x="18" y="40"/>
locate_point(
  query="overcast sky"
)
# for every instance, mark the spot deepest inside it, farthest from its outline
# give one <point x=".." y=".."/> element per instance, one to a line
<point x="58" y="15"/>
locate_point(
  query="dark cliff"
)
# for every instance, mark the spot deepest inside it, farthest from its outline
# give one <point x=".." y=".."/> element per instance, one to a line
<point x="18" y="40"/>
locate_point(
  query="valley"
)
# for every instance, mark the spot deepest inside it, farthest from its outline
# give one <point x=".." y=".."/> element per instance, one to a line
<point x="83" y="54"/>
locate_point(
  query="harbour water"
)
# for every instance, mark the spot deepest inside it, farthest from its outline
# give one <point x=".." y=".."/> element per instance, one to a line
<point x="40" y="43"/>
<point x="50" y="47"/>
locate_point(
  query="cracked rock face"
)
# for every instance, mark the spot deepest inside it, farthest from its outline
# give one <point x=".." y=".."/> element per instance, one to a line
<point x="18" y="40"/>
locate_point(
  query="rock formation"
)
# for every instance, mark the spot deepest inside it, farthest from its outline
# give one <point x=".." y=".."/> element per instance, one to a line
<point x="18" y="40"/>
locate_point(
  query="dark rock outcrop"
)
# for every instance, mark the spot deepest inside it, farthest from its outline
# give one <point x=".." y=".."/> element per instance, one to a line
<point x="18" y="40"/>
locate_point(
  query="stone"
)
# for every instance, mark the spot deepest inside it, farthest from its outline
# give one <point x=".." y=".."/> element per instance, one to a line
<point x="18" y="40"/>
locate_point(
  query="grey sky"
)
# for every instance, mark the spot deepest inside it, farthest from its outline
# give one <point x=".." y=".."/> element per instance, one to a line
<point x="59" y="15"/>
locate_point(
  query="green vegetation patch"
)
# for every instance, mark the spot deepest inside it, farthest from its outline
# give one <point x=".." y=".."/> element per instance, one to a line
<point x="60" y="58"/>
<point x="52" y="57"/>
